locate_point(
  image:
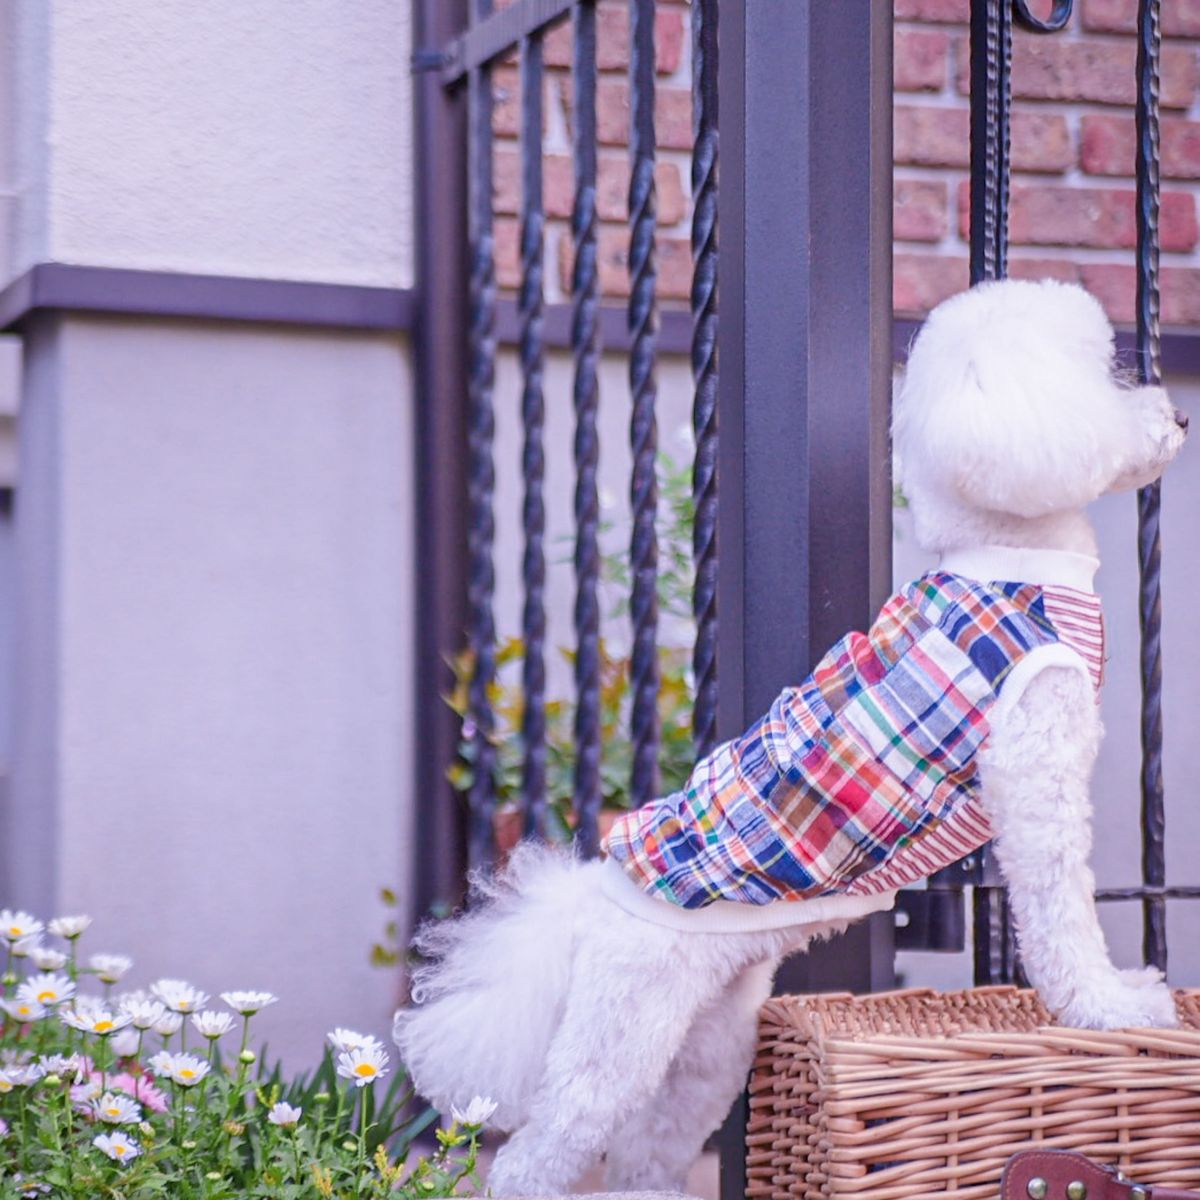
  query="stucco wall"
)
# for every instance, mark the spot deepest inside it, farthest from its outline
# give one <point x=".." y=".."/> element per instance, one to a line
<point x="216" y="574"/>
<point x="266" y="139"/>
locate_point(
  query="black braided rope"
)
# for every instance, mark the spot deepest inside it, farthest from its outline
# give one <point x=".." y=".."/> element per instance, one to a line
<point x="481" y="476"/>
<point x="643" y="425"/>
<point x="584" y="296"/>
<point x="533" y="458"/>
<point x="1154" y="926"/>
<point x="704" y="369"/>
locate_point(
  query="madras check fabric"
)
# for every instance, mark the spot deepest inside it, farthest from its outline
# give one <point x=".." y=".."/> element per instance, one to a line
<point x="864" y="777"/>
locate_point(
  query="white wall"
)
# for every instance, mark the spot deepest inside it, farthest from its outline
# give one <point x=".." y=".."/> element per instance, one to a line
<point x="214" y="550"/>
<point x="217" y="594"/>
<point x="247" y="139"/>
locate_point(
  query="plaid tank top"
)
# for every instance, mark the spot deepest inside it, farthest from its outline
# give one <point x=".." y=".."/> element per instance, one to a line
<point x="863" y="778"/>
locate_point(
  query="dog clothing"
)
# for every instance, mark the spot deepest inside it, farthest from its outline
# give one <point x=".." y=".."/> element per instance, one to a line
<point x="864" y="778"/>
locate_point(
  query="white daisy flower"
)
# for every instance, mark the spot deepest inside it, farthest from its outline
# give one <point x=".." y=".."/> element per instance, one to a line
<point x="212" y="1025"/>
<point x="15" y="1077"/>
<point x="178" y="996"/>
<point x="110" y="967"/>
<point x="48" y="988"/>
<point x="115" y="1109"/>
<point x="168" y="1025"/>
<point x="18" y="925"/>
<point x="125" y="1044"/>
<point x="69" y="927"/>
<point x="117" y="1146"/>
<point x="26" y="946"/>
<point x="46" y="959"/>
<point x="248" y="1003"/>
<point x="3" y="1128"/>
<point x="92" y="1018"/>
<point x="476" y="1113"/>
<point x="346" y="1040"/>
<point x="143" y="1014"/>
<point x="84" y="1093"/>
<point x="185" y="1069"/>
<point x="67" y="1065"/>
<point x="364" y="1065"/>
<point x="23" y="1010"/>
<point x="284" y="1115"/>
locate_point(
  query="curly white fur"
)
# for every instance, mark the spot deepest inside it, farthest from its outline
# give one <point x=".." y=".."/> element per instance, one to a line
<point x="602" y="1034"/>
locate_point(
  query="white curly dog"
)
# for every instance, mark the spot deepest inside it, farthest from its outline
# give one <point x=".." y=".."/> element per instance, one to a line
<point x="608" y="1009"/>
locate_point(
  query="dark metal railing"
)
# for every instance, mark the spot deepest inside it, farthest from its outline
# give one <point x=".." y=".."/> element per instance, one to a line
<point x="522" y="26"/>
<point x="991" y="57"/>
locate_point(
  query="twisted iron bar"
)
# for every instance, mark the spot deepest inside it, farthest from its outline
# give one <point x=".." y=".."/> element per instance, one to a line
<point x="584" y="296"/>
<point x="533" y="459"/>
<point x="643" y="425"/>
<point x="704" y="369"/>
<point x="1154" y="931"/>
<point x="1060" y="14"/>
<point x="481" y="480"/>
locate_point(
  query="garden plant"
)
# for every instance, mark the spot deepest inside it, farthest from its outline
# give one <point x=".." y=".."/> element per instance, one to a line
<point x="161" y="1095"/>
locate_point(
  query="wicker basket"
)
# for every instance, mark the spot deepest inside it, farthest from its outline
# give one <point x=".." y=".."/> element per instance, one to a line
<point x="915" y="1093"/>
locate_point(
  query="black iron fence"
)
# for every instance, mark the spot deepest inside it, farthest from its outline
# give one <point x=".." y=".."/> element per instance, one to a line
<point x="797" y="548"/>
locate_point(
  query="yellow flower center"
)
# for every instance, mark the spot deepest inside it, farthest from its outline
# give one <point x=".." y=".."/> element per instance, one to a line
<point x="46" y="997"/>
<point x="24" y="1010"/>
<point x="102" y="1026"/>
<point x="366" y="1070"/>
<point x="186" y="1072"/>
<point x="113" y="1112"/>
<point x="118" y="1149"/>
<point x="5" y="1086"/>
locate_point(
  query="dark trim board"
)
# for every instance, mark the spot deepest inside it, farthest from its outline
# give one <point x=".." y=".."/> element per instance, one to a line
<point x="65" y="287"/>
<point x="1180" y="349"/>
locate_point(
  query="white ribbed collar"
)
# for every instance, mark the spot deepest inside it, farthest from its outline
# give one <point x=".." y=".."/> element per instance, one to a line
<point x="1013" y="564"/>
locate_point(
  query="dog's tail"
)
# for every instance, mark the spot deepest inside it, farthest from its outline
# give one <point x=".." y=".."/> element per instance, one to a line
<point x="489" y="996"/>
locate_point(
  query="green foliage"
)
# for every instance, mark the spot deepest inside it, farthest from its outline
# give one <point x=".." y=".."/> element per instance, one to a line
<point x="675" y="693"/>
<point x="215" y="1139"/>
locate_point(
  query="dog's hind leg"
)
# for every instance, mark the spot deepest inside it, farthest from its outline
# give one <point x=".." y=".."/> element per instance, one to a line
<point x="654" y="1149"/>
<point x="635" y="991"/>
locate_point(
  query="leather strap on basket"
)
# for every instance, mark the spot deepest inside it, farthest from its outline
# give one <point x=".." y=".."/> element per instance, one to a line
<point x="1067" y="1175"/>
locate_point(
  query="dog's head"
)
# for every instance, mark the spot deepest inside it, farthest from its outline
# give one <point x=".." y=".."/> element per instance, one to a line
<point x="1011" y="405"/>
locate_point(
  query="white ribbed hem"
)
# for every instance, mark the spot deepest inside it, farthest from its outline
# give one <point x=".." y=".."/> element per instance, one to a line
<point x="1011" y="564"/>
<point x="1057" y="654"/>
<point x="731" y="916"/>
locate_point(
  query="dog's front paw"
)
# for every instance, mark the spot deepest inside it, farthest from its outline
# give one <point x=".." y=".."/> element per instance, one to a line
<point x="1134" y="999"/>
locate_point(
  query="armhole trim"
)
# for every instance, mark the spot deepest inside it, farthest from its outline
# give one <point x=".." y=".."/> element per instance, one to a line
<point x="1054" y="654"/>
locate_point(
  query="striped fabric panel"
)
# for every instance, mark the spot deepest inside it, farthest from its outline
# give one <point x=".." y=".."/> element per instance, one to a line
<point x="1079" y="622"/>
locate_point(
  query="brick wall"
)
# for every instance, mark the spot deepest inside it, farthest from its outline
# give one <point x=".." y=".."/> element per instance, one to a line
<point x="1072" y="152"/>
<point x="1072" y="207"/>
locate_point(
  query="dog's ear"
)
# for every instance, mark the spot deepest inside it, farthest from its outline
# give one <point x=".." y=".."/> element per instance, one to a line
<point x="1008" y="403"/>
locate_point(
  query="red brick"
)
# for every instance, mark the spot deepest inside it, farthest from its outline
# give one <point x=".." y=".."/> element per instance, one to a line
<point x="1101" y="70"/>
<point x="1115" y="284"/>
<point x="612" y="186"/>
<point x="1109" y="144"/>
<point x="1102" y="218"/>
<point x="672" y="114"/>
<point x="933" y="10"/>
<point x="1180" y="18"/>
<point x="1044" y="268"/>
<point x="507" y="235"/>
<point x="919" y="281"/>
<point x="920" y="60"/>
<point x="919" y="210"/>
<point x="612" y="40"/>
<point x="673" y="259"/>
<point x="506" y="102"/>
<point x="940" y="137"/>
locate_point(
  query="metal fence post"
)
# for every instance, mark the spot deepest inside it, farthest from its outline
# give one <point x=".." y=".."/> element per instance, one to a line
<point x="441" y="358"/>
<point x="805" y="351"/>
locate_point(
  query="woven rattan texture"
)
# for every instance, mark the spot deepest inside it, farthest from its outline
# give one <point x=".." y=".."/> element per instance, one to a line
<point x="915" y="1093"/>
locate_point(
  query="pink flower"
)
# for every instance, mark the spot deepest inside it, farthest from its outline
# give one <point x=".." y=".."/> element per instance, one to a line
<point x="141" y="1089"/>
